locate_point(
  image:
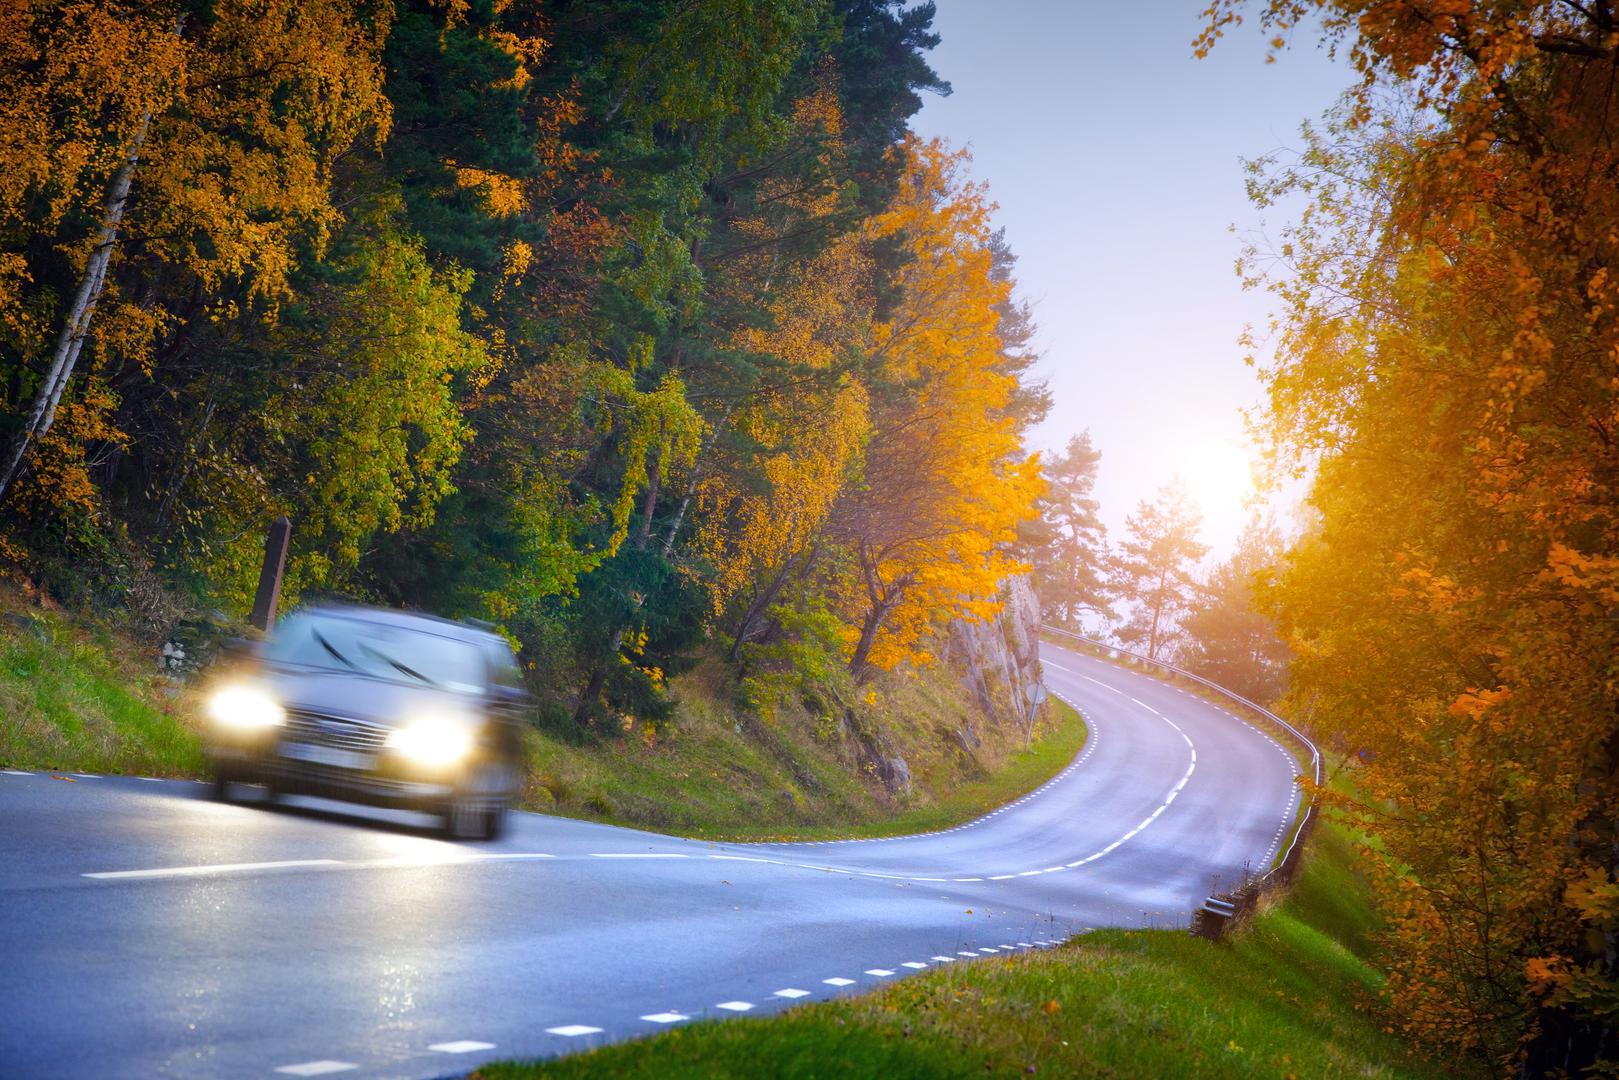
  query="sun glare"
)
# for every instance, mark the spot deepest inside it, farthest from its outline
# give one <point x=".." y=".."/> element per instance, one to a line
<point x="1219" y="476"/>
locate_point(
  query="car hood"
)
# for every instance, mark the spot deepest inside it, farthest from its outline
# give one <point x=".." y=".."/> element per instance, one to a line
<point x="358" y="697"/>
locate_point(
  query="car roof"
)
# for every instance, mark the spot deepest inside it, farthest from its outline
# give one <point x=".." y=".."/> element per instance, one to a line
<point x="412" y="620"/>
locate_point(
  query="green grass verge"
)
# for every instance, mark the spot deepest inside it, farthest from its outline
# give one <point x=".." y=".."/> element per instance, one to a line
<point x="1020" y="773"/>
<point x="717" y="779"/>
<point x="76" y="698"/>
<point x="1293" y="995"/>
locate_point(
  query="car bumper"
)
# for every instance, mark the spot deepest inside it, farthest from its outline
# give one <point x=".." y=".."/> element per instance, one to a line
<point x="375" y="787"/>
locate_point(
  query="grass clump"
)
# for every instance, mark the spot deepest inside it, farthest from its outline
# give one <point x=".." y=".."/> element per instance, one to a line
<point x="1294" y="995"/>
<point x="79" y="698"/>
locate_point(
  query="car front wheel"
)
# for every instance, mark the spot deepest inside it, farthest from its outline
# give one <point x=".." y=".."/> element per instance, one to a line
<point x="477" y="812"/>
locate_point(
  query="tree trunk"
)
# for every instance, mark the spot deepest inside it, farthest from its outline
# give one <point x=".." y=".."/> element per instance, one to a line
<point x="765" y="598"/>
<point x="77" y="325"/>
<point x="598" y="679"/>
<point x="653" y="482"/>
<point x="859" y="663"/>
<point x="1157" y="612"/>
<point x="691" y="485"/>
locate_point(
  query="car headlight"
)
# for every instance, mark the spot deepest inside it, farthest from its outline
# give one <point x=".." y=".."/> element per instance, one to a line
<point x="245" y="707"/>
<point x="432" y="740"/>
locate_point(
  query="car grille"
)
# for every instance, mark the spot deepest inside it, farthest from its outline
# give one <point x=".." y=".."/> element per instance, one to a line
<point x="336" y="731"/>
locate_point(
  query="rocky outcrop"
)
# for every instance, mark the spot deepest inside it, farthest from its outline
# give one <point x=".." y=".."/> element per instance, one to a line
<point x="999" y="659"/>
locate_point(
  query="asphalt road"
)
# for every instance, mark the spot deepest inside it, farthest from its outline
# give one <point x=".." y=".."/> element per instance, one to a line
<point x="146" y="931"/>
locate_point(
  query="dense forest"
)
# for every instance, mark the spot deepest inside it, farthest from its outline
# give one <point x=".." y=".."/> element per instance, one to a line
<point x="639" y="327"/>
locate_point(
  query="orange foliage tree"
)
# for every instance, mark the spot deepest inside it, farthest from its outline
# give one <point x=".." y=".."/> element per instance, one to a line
<point x="1446" y="364"/>
<point x="205" y="144"/>
<point x="946" y="481"/>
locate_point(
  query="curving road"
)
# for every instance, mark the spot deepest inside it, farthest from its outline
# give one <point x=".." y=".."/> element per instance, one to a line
<point x="146" y="931"/>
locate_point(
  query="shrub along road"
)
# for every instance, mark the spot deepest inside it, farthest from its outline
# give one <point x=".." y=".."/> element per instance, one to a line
<point x="151" y="932"/>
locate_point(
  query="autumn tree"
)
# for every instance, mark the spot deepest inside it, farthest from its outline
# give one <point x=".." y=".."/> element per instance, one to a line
<point x="1067" y="542"/>
<point x="149" y="156"/>
<point x="1229" y="639"/>
<point x="1154" y="568"/>
<point x="945" y="482"/>
<point x="1444" y="366"/>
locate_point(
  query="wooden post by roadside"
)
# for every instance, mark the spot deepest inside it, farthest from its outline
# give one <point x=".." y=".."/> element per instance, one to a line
<point x="275" y="563"/>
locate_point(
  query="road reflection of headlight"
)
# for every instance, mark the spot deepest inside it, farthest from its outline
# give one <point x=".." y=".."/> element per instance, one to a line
<point x="244" y="707"/>
<point x="432" y="740"/>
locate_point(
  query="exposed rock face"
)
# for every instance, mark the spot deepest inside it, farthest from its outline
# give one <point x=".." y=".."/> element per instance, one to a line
<point x="896" y="774"/>
<point x="999" y="659"/>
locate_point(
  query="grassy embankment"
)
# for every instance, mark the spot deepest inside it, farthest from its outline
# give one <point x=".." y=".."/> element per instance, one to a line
<point x="1294" y="995"/>
<point x="81" y="695"/>
<point x="78" y="697"/>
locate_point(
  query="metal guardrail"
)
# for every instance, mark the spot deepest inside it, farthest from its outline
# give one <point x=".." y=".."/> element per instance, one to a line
<point x="1285" y="866"/>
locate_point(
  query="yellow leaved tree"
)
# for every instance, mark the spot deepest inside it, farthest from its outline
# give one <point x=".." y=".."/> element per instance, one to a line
<point x="147" y="146"/>
<point x="946" y="481"/>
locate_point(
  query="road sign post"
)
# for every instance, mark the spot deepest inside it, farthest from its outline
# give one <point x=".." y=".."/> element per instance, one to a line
<point x="276" y="542"/>
<point x="1035" y="695"/>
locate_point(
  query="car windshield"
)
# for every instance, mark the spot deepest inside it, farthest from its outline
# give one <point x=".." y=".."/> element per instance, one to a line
<point x="378" y="650"/>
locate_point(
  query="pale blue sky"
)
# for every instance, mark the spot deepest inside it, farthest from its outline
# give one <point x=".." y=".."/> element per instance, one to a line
<point x="1115" y="158"/>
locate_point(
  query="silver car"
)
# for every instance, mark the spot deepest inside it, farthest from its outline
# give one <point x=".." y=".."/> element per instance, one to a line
<point x="387" y="708"/>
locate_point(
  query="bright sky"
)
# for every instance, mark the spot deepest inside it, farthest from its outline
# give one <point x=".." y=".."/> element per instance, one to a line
<point x="1115" y="157"/>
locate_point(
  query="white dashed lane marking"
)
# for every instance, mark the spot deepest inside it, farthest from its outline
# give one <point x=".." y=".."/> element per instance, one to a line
<point x="792" y="992"/>
<point x="573" y="1031"/>
<point x="665" y="1017"/>
<point x="838" y="980"/>
<point x="879" y="972"/>
<point x="464" y="1046"/>
<point x="735" y="1006"/>
<point x="316" y="1068"/>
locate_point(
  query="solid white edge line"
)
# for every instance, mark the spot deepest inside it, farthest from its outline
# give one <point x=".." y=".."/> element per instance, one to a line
<point x="216" y="868"/>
